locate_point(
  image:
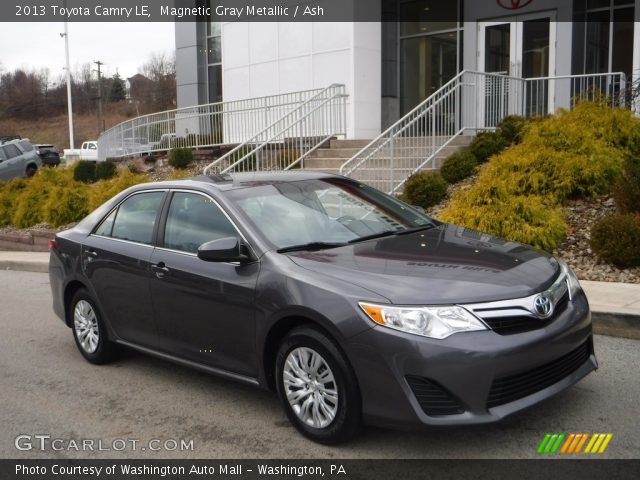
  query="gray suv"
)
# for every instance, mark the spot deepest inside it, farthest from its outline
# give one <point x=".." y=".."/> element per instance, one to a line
<point x="18" y="158"/>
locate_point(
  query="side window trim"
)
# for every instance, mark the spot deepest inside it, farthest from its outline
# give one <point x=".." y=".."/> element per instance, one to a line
<point x="154" y="235"/>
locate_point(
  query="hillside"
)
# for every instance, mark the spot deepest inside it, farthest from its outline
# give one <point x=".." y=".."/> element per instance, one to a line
<point x="54" y="129"/>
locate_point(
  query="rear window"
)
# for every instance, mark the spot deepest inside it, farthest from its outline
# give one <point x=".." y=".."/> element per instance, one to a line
<point x="26" y="145"/>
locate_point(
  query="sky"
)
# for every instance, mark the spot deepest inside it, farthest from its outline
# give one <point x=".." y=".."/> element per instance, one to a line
<point x="122" y="47"/>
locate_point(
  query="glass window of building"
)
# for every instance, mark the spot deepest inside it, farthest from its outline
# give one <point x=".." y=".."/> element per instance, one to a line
<point x="429" y="48"/>
<point x="214" y="56"/>
<point x="608" y="35"/>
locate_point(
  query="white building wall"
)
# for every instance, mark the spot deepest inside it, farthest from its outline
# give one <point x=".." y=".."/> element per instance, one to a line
<point x="260" y="59"/>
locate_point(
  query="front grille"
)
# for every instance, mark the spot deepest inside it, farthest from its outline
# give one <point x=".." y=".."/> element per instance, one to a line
<point x="433" y="398"/>
<point x="511" y="388"/>
<point x="521" y="323"/>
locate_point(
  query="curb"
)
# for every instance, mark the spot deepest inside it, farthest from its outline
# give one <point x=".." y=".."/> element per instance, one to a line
<point x="612" y="324"/>
<point x="38" y="267"/>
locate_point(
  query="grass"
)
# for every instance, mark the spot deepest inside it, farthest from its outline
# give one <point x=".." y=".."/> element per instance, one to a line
<point x="55" y="129"/>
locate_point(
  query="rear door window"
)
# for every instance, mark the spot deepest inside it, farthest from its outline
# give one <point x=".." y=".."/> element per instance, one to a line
<point x="134" y="220"/>
<point x="11" y="151"/>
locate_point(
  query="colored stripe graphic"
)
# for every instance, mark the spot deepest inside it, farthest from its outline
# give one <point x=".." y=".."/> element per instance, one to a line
<point x="574" y="443"/>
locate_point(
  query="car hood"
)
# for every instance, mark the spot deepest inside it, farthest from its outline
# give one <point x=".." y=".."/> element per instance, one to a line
<point x="446" y="264"/>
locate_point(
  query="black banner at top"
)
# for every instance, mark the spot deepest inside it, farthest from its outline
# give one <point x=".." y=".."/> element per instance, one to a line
<point x="273" y="10"/>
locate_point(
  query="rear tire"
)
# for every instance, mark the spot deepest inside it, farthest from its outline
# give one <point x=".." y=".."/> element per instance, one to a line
<point x="89" y="330"/>
<point x="317" y="387"/>
<point x="31" y="170"/>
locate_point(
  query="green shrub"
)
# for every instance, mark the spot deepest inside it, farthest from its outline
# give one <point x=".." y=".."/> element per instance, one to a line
<point x="85" y="171"/>
<point x="9" y="193"/>
<point x="524" y="219"/>
<point x="626" y="191"/>
<point x="616" y="238"/>
<point x="102" y="191"/>
<point x="65" y="205"/>
<point x="424" y="189"/>
<point x="520" y="192"/>
<point x="180" y="158"/>
<point x="106" y="170"/>
<point x="458" y="167"/>
<point x="487" y="144"/>
<point x="511" y="129"/>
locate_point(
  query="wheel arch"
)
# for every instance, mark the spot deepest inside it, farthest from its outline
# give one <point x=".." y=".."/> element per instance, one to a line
<point x="69" y="291"/>
<point x="284" y="325"/>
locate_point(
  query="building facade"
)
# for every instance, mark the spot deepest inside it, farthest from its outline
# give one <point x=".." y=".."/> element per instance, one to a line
<point x="389" y="67"/>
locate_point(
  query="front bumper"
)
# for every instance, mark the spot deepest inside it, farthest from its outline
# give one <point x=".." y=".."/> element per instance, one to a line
<point x="489" y="376"/>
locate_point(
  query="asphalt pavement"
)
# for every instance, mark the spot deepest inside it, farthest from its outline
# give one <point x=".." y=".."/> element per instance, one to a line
<point x="48" y="389"/>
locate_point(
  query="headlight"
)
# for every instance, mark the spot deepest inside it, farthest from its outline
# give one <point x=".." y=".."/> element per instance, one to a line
<point x="434" y="322"/>
<point x="572" y="280"/>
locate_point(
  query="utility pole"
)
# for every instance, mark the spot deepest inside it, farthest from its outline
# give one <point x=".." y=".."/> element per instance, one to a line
<point x="100" y="115"/>
<point x="69" y="105"/>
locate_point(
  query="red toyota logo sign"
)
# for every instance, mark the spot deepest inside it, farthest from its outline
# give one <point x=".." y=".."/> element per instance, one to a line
<point x="513" y="4"/>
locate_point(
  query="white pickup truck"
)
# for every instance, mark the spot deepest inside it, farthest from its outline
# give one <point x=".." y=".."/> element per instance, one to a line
<point x="88" y="151"/>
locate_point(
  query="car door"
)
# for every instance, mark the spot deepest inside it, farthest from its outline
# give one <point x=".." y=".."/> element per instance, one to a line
<point x="204" y="311"/>
<point x="116" y="260"/>
<point x="5" y="167"/>
<point x="14" y="164"/>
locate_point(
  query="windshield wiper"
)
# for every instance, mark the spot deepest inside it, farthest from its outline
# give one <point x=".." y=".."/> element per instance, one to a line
<point x="414" y="230"/>
<point x="389" y="233"/>
<point x="385" y="233"/>
<point x="311" y="246"/>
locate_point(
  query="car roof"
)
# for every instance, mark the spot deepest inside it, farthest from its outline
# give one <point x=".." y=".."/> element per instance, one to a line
<point x="233" y="181"/>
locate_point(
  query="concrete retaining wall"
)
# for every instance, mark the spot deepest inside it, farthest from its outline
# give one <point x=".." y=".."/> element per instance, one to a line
<point x="36" y="241"/>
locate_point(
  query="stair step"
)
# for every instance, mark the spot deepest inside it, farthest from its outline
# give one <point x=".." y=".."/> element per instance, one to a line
<point x="334" y="153"/>
<point x="350" y="143"/>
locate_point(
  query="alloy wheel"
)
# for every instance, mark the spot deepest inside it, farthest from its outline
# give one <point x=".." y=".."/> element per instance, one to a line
<point x="85" y="323"/>
<point x="310" y="387"/>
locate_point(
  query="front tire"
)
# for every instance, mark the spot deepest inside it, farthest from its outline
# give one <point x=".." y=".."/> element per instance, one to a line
<point x="317" y="387"/>
<point x="89" y="330"/>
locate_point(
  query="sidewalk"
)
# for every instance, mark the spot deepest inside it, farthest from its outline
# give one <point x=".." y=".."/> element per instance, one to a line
<point x="615" y="307"/>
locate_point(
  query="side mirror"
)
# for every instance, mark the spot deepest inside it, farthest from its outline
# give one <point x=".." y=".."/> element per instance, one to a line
<point x="222" y="250"/>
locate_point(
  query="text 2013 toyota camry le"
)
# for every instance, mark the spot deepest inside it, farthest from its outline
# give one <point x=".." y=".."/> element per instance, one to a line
<point x="352" y="305"/>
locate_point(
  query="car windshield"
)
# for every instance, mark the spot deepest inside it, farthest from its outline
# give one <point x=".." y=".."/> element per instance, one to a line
<point x="324" y="212"/>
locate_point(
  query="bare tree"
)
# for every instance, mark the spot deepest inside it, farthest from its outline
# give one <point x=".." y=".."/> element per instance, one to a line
<point x="161" y="70"/>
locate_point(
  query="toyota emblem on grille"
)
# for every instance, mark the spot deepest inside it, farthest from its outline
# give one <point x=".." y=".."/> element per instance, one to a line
<point x="513" y="4"/>
<point x="542" y="305"/>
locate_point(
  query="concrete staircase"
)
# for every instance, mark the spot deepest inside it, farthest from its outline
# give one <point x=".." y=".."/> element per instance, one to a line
<point x="330" y="159"/>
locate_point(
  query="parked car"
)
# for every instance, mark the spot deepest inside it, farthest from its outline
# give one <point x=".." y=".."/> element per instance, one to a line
<point x="166" y="142"/>
<point x="18" y="158"/>
<point x="135" y="146"/>
<point x="87" y="151"/>
<point x="350" y="304"/>
<point x="48" y="154"/>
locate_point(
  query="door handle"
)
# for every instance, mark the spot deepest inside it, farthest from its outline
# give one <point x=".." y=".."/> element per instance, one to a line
<point x="160" y="269"/>
<point x="91" y="253"/>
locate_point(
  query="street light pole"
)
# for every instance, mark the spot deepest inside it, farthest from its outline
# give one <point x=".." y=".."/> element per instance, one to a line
<point x="69" y="104"/>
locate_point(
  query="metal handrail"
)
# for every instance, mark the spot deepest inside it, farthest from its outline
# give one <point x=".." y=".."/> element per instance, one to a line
<point x="266" y="149"/>
<point x="198" y="126"/>
<point x="469" y="102"/>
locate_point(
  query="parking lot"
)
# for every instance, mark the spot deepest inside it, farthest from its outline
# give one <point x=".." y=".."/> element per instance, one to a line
<point x="47" y="388"/>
